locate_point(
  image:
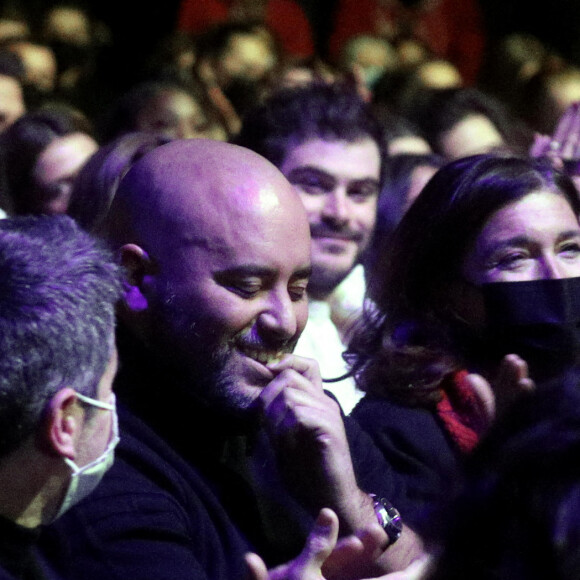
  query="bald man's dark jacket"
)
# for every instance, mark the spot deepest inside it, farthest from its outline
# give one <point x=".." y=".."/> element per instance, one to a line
<point x="190" y="492"/>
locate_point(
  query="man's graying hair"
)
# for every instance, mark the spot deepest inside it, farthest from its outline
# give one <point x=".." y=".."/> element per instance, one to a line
<point x="58" y="289"/>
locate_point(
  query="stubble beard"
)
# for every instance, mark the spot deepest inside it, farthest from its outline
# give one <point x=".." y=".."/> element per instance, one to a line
<point x="205" y="367"/>
<point x="324" y="280"/>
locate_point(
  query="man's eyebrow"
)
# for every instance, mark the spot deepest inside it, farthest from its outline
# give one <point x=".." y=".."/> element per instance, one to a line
<point x="365" y="181"/>
<point x="305" y="272"/>
<point x="308" y="169"/>
<point x="245" y="270"/>
<point x="249" y="270"/>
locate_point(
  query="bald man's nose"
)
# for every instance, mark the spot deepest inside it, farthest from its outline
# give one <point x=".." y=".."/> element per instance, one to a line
<point x="278" y="320"/>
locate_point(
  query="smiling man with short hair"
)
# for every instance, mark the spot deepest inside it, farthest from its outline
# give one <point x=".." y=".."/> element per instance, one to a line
<point x="326" y="141"/>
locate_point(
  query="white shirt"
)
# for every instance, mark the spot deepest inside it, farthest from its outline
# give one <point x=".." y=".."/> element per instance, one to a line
<point x="321" y="341"/>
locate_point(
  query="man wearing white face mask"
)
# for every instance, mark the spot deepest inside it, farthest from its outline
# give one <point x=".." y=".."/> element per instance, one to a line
<point x="58" y="421"/>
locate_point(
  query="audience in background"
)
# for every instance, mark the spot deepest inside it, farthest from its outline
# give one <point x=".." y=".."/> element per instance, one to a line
<point x="511" y="62"/>
<point x="465" y="121"/>
<point x="68" y="29"/>
<point x="405" y="176"/>
<point x="40" y="68"/>
<point x="96" y="184"/>
<point x="368" y="56"/>
<point x="548" y="94"/>
<point x="451" y="29"/>
<point x="284" y="18"/>
<point x="236" y="59"/>
<point x="40" y="155"/>
<point x="165" y="107"/>
<point x="12" y="101"/>
<point x="15" y="22"/>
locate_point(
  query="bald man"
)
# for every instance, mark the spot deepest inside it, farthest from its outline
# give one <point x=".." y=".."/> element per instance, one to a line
<point x="229" y="442"/>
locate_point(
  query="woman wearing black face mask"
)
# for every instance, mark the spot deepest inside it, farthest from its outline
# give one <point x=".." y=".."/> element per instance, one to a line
<point x="485" y="263"/>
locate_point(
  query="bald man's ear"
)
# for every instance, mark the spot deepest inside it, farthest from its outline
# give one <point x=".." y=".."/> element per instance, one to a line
<point x="64" y="421"/>
<point x="138" y="268"/>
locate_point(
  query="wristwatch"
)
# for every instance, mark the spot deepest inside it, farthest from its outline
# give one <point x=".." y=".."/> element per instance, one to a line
<point x="389" y="518"/>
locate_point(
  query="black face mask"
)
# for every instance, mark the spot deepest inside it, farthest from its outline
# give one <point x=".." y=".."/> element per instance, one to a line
<point x="538" y="320"/>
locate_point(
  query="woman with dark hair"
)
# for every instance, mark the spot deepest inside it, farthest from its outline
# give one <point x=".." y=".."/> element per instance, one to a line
<point x="487" y="237"/>
<point x="41" y="154"/>
<point x="405" y="176"/>
<point x="165" y="107"/>
<point x="459" y="122"/>
<point x="96" y="184"/>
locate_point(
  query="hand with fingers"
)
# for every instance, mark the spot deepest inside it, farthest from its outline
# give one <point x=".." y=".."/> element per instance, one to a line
<point x="511" y="381"/>
<point x="564" y="144"/>
<point x="326" y="557"/>
<point x="308" y="565"/>
<point x="307" y="432"/>
<point x="308" y="435"/>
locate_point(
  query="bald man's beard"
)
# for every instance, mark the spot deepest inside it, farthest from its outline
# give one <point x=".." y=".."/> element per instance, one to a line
<point x="202" y="364"/>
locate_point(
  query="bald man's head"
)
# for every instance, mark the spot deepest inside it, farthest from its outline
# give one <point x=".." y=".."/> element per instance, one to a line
<point x="184" y="183"/>
<point x="217" y="245"/>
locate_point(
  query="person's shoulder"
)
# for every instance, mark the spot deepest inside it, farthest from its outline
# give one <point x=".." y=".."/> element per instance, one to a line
<point x="151" y="507"/>
<point x="145" y="464"/>
<point x="371" y="407"/>
<point x="4" y="575"/>
<point x="380" y="417"/>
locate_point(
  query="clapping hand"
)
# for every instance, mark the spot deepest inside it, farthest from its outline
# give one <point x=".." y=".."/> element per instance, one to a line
<point x="564" y="144"/>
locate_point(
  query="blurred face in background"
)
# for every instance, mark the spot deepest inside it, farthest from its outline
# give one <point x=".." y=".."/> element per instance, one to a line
<point x="174" y="114"/>
<point x="39" y="63"/>
<point x="55" y="172"/>
<point x="472" y="135"/>
<point x="11" y="101"/>
<point x="248" y="57"/>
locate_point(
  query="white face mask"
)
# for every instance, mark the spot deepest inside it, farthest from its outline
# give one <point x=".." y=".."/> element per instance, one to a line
<point x="85" y="479"/>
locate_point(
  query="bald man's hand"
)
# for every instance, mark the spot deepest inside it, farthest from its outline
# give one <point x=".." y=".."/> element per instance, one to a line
<point x="307" y="431"/>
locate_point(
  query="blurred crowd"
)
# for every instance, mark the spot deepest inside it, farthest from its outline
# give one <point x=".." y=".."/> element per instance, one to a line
<point x="439" y="82"/>
<point x="393" y="395"/>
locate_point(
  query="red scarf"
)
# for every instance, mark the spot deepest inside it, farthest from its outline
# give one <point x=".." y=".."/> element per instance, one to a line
<point x="462" y="412"/>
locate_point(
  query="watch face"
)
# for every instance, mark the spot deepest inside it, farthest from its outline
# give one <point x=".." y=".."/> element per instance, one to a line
<point x="395" y="518"/>
<point x="389" y="518"/>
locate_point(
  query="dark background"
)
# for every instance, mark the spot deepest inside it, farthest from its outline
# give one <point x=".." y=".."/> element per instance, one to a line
<point x="137" y="25"/>
<point x="556" y="22"/>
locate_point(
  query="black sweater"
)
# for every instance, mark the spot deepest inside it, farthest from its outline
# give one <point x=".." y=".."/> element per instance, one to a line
<point x="190" y="491"/>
